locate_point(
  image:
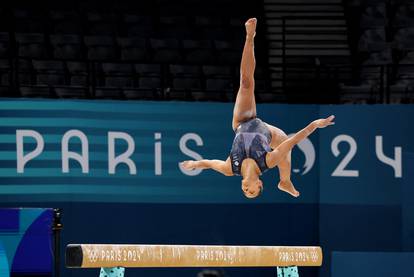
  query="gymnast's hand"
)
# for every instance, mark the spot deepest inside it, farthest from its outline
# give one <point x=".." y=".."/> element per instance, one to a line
<point x="189" y="165"/>
<point x="324" y="122"/>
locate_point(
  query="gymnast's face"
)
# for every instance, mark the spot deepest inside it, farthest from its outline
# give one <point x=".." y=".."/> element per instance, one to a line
<point x="252" y="188"/>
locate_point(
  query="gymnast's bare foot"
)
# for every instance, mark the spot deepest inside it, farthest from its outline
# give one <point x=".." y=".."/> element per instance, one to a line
<point x="189" y="165"/>
<point x="251" y="27"/>
<point x="287" y="186"/>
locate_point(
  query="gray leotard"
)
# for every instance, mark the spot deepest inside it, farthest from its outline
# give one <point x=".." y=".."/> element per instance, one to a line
<point x="252" y="141"/>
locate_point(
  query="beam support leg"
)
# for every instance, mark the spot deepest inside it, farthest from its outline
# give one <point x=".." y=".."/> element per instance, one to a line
<point x="287" y="271"/>
<point x="112" y="272"/>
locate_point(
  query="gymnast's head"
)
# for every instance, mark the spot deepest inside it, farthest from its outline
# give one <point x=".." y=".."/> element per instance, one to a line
<point x="252" y="187"/>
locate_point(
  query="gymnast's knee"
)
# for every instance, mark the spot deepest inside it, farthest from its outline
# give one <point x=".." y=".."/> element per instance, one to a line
<point x="246" y="82"/>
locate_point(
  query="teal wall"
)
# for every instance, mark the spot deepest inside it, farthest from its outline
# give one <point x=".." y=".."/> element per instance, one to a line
<point x="355" y="177"/>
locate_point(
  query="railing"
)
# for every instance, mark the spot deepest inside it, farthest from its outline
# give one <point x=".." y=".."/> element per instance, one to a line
<point x="93" y="76"/>
<point x="325" y="83"/>
<point x="379" y="83"/>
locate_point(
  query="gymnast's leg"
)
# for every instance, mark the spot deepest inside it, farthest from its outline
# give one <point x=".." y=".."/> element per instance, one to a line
<point x="245" y="106"/>
<point x="285" y="184"/>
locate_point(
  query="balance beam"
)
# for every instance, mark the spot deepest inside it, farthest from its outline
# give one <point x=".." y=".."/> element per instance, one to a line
<point x="123" y="255"/>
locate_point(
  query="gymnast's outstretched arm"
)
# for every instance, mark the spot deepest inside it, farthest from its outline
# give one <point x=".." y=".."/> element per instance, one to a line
<point x="224" y="167"/>
<point x="276" y="156"/>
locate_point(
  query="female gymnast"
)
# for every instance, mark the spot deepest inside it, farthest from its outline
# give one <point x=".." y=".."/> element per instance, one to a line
<point x="257" y="146"/>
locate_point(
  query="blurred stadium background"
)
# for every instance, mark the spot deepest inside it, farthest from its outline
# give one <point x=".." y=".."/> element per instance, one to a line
<point x="358" y="51"/>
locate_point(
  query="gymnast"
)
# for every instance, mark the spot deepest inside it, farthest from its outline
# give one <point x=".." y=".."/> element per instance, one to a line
<point x="257" y="146"/>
